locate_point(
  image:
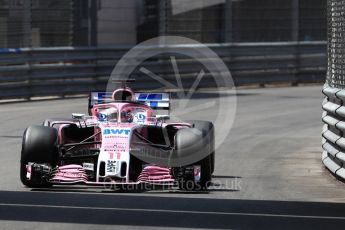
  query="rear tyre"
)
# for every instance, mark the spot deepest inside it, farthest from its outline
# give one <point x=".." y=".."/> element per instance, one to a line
<point x="39" y="146"/>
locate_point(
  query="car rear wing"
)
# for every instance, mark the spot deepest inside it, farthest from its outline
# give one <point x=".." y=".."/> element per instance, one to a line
<point x="99" y="98"/>
<point x="157" y="101"/>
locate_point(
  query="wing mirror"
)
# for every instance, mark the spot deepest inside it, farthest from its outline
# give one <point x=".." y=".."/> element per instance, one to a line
<point x="162" y="117"/>
<point x="78" y="116"/>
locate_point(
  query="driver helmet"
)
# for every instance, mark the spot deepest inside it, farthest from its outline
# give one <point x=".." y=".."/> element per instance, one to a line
<point x="126" y="116"/>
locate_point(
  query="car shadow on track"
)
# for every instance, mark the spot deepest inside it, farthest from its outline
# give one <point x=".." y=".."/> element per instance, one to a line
<point x="226" y="177"/>
<point x="214" y="187"/>
<point x="155" y="211"/>
<point x="219" y="183"/>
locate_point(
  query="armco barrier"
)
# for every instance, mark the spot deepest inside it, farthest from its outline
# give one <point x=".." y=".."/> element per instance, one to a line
<point x="29" y="72"/>
<point x="333" y="133"/>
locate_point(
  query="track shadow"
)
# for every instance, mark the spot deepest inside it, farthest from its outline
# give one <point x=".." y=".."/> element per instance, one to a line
<point x="155" y="211"/>
<point x="226" y="177"/>
<point x="214" y="187"/>
<point x="11" y="137"/>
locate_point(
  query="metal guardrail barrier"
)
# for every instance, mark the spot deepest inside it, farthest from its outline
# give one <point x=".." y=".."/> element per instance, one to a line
<point x="333" y="142"/>
<point x="29" y="72"/>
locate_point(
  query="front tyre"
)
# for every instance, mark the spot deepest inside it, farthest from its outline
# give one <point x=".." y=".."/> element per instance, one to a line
<point x="208" y="133"/>
<point x="187" y="180"/>
<point x="39" y="146"/>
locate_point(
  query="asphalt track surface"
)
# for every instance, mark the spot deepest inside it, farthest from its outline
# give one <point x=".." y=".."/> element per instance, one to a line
<point x="268" y="174"/>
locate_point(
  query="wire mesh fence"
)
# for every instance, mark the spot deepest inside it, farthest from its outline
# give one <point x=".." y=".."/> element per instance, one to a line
<point x="47" y="23"/>
<point x="33" y="23"/>
<point x="336" y="43"/>
<point x="217" y="21"/>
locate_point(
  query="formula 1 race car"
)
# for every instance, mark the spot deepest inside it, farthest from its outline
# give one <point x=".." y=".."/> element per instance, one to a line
<point x="123" y="141"/>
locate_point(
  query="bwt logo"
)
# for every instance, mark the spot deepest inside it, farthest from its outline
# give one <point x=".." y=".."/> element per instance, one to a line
<point x="116" y="131"/>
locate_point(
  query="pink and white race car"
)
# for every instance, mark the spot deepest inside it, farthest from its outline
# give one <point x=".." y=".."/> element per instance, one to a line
<point x="121" y="142"/>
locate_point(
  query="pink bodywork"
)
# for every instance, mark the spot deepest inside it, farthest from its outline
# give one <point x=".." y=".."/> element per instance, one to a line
<point x="69" y="173"/>
<point x="114" y="145"/>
